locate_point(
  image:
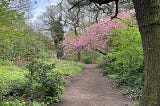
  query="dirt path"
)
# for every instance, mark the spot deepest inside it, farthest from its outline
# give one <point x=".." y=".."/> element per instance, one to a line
<point x="92" y="89"/>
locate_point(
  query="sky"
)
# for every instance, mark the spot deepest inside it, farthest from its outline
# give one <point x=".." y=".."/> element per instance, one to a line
<point x="40" y="7"/>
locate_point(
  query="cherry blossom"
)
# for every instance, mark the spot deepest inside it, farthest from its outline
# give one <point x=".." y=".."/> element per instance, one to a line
<point x="95" y="37"/>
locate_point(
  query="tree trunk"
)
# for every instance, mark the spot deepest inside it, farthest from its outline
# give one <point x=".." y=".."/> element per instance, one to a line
<point x="75" y="31"/>
<point x="148" y="16"/>
<point x="79" y="56"/>
<point x="79" y="53"/>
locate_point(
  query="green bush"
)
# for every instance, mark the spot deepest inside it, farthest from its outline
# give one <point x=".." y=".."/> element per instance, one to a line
<point x="14" y="103"/>
<point x="125" y="60"/>
<point x="5" y="63"/>
<point x="43" y="83"/>
<point x="17" y="88"/>
<point x="12" y="80"/>
<point x="40" y="83"/>
<point x="25" y="48"/>
<point x="17" y="40"/>
<point x="87" y="57"/>
<point x="22" y="103"/>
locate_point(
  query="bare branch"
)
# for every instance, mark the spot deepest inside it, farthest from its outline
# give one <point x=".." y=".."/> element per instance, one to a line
<point x="99" y="8"/>
<point x="100" y="2"/>
<point x="75" y="5"/>
<point x="100" y="51"/>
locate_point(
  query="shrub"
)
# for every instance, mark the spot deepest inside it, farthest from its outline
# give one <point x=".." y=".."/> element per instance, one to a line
<point x="86" y="57"/>
<point x="125" y="60"/>
<point x="12" y="81"/>
<point x="14" y="103"/>
<point x="43" y="83"/>
<point x="5" y="63"/>
<point x="17" y="40"/>
<point x="21" y="103"/>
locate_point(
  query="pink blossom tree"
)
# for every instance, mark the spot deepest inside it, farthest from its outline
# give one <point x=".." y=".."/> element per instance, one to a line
<point x="95" y="37"/>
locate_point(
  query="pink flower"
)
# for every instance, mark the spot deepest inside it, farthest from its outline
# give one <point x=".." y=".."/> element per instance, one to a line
<point x="94" y="37"/>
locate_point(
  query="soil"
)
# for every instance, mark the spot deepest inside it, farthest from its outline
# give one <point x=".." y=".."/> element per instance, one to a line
<point x="91" y="88"/>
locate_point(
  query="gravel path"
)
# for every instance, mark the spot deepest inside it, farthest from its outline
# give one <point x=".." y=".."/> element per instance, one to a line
<point x="91" y="89"/>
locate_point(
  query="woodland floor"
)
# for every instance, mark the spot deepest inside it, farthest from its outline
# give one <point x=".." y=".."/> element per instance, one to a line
<point x="91" y="88"/>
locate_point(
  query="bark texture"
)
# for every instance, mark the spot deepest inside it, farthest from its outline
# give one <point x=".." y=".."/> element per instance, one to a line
<point x="148" y="16"/>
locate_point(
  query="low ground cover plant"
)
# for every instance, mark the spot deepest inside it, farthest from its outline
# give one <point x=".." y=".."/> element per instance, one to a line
<point x="39" y="82"/>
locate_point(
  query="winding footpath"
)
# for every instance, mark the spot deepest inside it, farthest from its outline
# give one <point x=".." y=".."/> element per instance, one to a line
<point x="92" y="89"/>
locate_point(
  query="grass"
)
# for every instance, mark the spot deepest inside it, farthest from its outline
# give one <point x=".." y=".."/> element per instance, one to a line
<point x="11" y="75"/>
<point x="113" y="76"/>
<point x="68" y="68"/>
<point x="9" y="72"/>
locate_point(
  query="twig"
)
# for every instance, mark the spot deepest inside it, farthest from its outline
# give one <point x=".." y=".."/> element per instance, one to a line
<point x="99" y="7"/>
<point x="75" y="5"/>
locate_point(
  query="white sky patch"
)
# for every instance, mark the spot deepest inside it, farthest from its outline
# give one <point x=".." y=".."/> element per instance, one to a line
<point x="40" y="7"/>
